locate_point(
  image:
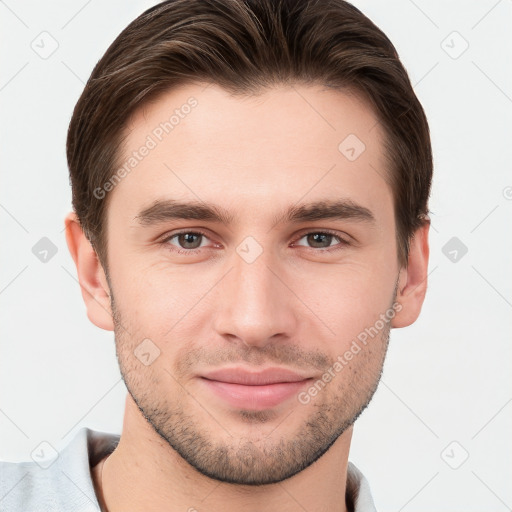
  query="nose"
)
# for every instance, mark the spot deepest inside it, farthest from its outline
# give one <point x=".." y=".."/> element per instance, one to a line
<point x="254" y="302"/>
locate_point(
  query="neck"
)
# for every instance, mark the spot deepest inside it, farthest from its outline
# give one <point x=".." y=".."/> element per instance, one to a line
<point x="145" y="473"/>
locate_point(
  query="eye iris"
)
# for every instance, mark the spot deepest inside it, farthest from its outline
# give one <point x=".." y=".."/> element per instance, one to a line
<point x="187" y="238"/>
<point x="193" y="240"/>
<point x="315" y="238"/>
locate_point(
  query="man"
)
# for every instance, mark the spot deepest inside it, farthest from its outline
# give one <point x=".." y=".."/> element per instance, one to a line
<point x="250" y="184"/>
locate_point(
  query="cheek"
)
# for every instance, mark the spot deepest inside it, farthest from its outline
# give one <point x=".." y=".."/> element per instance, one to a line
<point x="347" y="298"/>
<point x="165" y="305"/>
<point x="145" y="293"/>
<point x="160" y="300"/>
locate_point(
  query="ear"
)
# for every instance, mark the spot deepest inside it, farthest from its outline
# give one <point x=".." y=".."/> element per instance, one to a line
<point x="91" y="276"/>
<point x="412" y="283"/>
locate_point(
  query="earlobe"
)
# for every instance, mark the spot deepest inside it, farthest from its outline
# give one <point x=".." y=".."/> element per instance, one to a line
<point x="91" y="276"/>
<point x="412" y="285"/>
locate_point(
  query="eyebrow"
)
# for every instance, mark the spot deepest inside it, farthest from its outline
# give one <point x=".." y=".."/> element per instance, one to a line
<point x="169" y="209"/>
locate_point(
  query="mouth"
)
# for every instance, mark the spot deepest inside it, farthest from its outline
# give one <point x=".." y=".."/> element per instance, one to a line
<point x="255" y="391"/>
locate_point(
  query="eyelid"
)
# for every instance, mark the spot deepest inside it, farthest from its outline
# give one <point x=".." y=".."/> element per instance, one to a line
<point x="168" y="236"/>
<point x="342" y="236"/>
<point x="343" y="242"/>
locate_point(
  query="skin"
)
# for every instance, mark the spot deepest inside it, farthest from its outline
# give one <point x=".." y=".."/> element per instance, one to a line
<point x="296" y="306"/>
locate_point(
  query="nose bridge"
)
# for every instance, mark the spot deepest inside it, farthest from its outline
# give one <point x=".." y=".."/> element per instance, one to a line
<point x="254" y="304"/>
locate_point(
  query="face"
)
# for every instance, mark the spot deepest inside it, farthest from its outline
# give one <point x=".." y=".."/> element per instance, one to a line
<point x="249" y="238"/>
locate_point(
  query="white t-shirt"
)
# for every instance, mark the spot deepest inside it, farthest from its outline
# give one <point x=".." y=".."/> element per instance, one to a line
<point x="64" y="483"/>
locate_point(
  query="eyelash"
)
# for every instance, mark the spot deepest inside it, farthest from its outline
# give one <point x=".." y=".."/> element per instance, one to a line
<point x="192" y="252"/>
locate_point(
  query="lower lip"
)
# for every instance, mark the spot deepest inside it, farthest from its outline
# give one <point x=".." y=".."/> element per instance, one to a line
<point x="255" y="398"/>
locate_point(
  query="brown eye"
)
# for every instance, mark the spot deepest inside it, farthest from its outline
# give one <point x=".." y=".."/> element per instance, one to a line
<point x="322" y="240"/>
<point x="319" y="240"/>
<point x="189" y="240"/>
<point x="186" y="241"/>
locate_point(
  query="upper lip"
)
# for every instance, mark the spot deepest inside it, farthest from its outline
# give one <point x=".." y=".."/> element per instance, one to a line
<point x="254" y="378"/>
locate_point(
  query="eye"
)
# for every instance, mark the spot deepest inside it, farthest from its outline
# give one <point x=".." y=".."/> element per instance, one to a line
<point x="186" y="242"/>
<point x="323" y="240"/>
<point x="191" y="242"/>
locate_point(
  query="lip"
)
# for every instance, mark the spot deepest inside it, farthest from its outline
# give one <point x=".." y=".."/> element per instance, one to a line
<point x="251" y="378"/>
<point x="257" y="391"/>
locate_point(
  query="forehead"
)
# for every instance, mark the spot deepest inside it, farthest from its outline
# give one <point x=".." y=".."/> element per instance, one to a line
<point x="200" y="142"/>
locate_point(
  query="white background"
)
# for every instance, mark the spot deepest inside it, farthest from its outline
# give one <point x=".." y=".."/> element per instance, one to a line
<point x="447" y="378"/>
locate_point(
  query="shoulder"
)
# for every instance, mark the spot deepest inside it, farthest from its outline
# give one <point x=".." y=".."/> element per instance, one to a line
<point x="358" y="490"/>
<point x="62" y="482"/>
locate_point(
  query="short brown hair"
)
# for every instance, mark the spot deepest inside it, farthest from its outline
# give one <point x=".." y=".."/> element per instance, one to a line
<point x="245" y="46"/>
